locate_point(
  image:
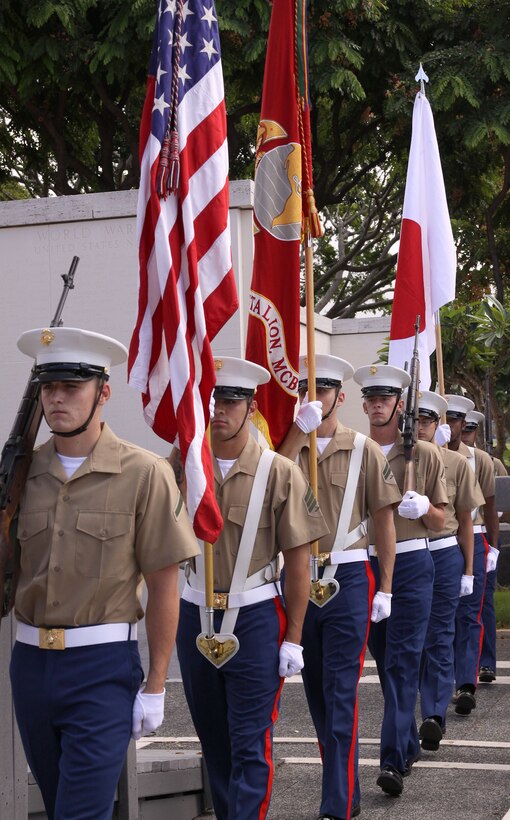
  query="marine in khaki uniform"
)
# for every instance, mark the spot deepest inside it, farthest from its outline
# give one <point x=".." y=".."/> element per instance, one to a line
<point x="469" y="625"/>
<point x="96" y="515"/>
<point x="487" y="671"/>
<point x="234" y="707"/>
<point x="452" y="553"/>
<point x="335" y="635"/>
<point x="397" y="643"/>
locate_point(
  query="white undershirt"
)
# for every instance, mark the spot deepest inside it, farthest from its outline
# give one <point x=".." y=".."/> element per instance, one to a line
<point x="225" y="464"/>
<point x="71" y="464"/>
<point x="386" y="448"/>
<point x="322" y="443"/>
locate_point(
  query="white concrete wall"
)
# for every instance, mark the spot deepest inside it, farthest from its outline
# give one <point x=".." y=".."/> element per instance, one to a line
<point x="38" y="239"/>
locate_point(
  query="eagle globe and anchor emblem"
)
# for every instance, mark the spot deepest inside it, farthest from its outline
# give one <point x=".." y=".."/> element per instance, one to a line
<point x="278" y="186"/>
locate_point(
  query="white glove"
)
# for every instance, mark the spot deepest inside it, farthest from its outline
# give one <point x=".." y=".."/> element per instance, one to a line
<point x="443" y="434"/>
<point x="291" y="659"/>
<point x="466" y="585"/>
<point x="413" y="505"/>
<point x="492" y="559"/>
<point x="381" y="606"/>
<point x="212" y="405"/>
<point x="309" y="415"/>
<point x="148" y="713"/>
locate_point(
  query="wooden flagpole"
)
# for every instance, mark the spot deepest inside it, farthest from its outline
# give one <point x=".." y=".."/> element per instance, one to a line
<point x="439" y="354"/>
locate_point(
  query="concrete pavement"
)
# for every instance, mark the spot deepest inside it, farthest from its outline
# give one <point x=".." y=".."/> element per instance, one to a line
<point x="467" y="779"/>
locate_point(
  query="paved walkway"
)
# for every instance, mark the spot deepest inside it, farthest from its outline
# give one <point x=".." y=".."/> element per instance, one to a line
<point x="467" y="779"/>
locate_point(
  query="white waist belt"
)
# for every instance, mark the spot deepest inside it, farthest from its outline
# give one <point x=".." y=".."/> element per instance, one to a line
<point x="59" y="638"/>
<point x="478" y="528"/>
<point x="346" y="556"/>
<point x="441" y="543"/>
<point x="405" y="546"/>
<point x="225" y="600"/>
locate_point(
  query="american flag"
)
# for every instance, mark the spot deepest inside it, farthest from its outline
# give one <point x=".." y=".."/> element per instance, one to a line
<point x="187" y="289"/>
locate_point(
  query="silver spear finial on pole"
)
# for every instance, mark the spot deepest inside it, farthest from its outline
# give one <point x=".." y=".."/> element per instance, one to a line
<point x="422" y="78"/>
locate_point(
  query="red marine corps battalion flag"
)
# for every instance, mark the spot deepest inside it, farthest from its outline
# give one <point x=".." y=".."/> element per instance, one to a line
<point x="187" y="290"/>
<point x="283" y="173"/>
<point x="426" y="265"/>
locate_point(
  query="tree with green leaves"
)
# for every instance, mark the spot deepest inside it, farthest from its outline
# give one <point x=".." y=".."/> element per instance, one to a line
<point x="476" y="349"/>
<point x="72" y="82"/>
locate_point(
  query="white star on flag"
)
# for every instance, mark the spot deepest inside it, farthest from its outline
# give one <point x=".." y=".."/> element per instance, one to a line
<point x="186" y="11"/>
<point x="185" y="43"/>
<point x="160" y="73"/>
<point x="160" y="104"/>
<point x="208" y="48"/>
<point x="183" y="74"/>
<point x="209" y="16"/>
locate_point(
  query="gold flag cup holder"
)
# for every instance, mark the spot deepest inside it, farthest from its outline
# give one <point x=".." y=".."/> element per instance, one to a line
<point x="322" y="590"/>
<point x="217" y="648"/>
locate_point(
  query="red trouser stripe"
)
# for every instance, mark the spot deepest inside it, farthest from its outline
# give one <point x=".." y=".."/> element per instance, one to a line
<point x="268" y="751"/>
<point x="352" y="749"/>
<point x="479" y="618"/>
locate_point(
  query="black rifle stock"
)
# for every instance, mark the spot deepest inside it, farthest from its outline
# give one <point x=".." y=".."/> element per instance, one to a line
<point x="410" y="428"/>
<point x="15" y="463"/>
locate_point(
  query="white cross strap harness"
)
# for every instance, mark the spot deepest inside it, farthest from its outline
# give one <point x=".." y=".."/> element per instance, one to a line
<point x="244" y="589"/>
<point x="344" y="538"/>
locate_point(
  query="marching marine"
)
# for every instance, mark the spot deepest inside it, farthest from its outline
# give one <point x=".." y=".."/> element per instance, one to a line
<point x="487" y="670"/>
<point x="354" y="482"/>
<point x="96" y="515"/>
<point x="234" y="705"/>
<point x="469" y="626"/>
<point x="397" y="643"/>
<point x="452" y="553"/>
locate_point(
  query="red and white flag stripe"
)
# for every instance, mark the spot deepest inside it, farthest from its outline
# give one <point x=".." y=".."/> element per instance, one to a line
<point x="186" y="289"/>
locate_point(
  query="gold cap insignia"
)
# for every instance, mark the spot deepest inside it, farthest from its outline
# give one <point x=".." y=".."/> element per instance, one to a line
<point x="373" y="370"/>
<point x="47" y="337"/>
<point x="420" y="395"/>
<point x="218" y="364"/>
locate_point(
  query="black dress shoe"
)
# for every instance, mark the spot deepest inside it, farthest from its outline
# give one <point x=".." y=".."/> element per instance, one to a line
<point x="408" y="768"/>
<point x="391" y="781"/>
<point x="431" y="734"/>
<point x="487" y="674"/>
<point x="465" y="701"/>
<point x="355" y="812"/>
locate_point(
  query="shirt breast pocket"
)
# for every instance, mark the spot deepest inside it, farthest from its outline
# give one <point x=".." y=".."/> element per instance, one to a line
<point x="103" y="544"/>
<point x="35" y="541"/>
<point x="338" y="480"/>
<point x="264" y="548"/>
<point x="451" y="490"/>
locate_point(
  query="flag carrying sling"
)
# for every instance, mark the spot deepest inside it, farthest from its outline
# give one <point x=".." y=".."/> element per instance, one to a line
<point x="186" y="284"/>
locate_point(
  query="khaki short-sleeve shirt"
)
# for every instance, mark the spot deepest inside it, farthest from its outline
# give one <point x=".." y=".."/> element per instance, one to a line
<point x="499" y="467"/>
<point x="86" y="541"/>
<point x="484" y="471"/>
<point x="430" y="481"/>
<point x="290" y="514"/>
<point x="464" y="493"/>
<point x="376" y="487"/>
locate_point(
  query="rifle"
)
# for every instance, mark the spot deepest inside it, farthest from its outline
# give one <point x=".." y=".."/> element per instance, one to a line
<point x="489" y="446"/>
<point x="15" y="464"/>
<point x="410" y="427"/>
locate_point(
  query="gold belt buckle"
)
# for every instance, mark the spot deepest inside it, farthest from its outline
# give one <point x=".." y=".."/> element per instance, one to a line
<point x="52" y="638"/>
<point x="324" y="558"/>
<point x="220" y="600"/>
